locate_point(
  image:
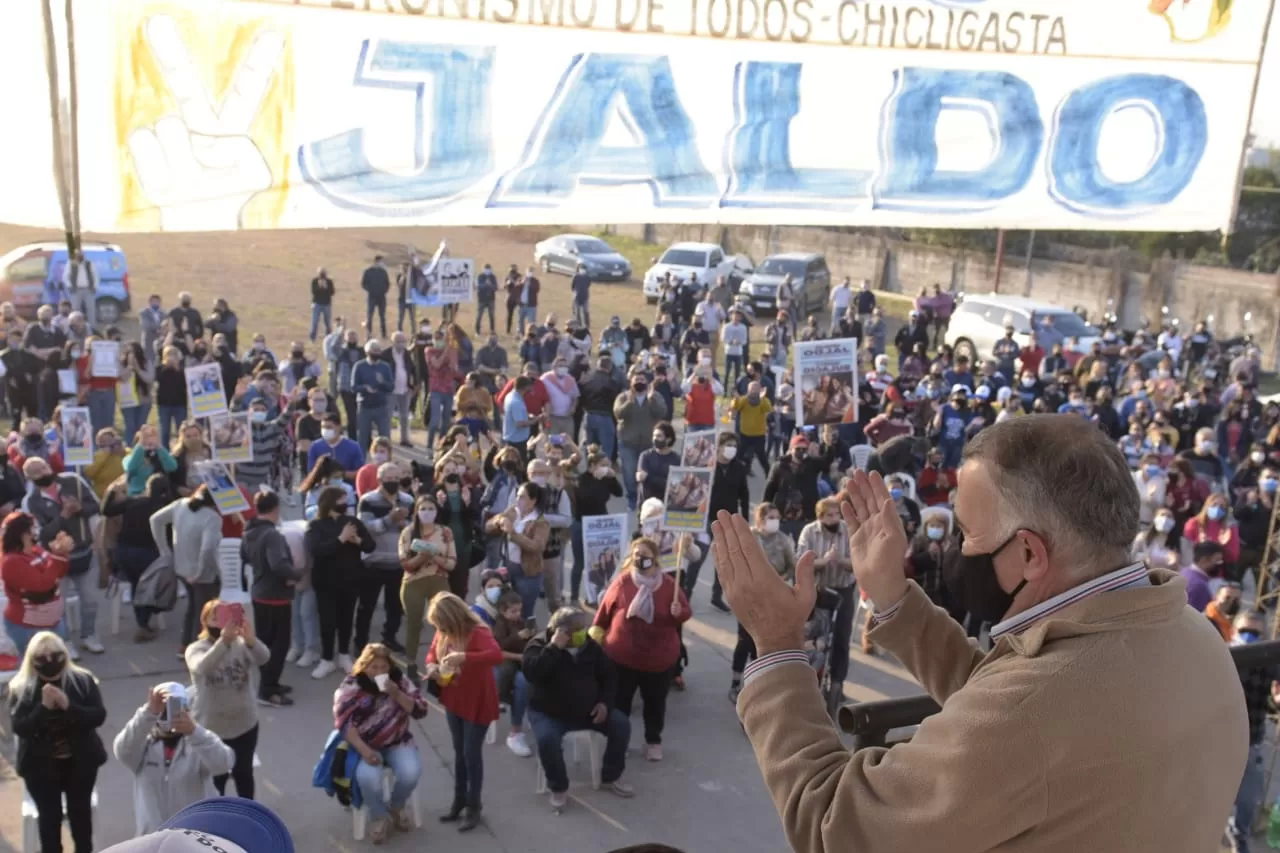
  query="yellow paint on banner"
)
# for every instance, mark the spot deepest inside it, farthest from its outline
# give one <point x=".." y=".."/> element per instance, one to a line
<point x="165" y="45"/>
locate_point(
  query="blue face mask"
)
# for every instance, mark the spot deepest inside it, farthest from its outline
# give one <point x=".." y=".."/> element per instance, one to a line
<point x="1151" y="471"/>
<point x="1214" y="513"/>
<point x="493" y="593"/>
<point x="1269" y="486"/>
<point x="1248" y="636"/>
<point x="896" y="494"/>
<point x="934" y="533"/>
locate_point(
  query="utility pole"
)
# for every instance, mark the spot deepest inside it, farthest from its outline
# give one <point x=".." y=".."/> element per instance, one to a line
<point x="1031" y="247"/>
<point x="995" y="288"/>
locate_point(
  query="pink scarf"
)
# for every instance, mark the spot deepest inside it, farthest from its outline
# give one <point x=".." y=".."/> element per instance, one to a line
<point x="642" y="605"/>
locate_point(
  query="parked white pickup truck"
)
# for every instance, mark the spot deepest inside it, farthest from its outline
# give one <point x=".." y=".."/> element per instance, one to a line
<point x="705" y="260"/>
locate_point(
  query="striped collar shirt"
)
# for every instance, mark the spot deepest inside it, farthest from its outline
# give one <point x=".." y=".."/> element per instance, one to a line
<point x="1133" y="575"/>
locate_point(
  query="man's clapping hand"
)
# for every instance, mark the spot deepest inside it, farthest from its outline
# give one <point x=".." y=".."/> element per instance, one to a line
<point x="877" y="539"/>
<point x="772" y="610"/>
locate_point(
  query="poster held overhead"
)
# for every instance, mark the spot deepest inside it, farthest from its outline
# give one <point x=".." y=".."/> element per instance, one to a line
<point x="232" y="437"/>
<point x="226" y="494"/>
<point x="205" y="394"/>
<point x="687" y="499"/>
<point x="826" y="379"/>
<point x="104" y="359"/>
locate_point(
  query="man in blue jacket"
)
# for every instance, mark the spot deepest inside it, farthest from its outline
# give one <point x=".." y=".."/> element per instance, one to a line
<point x="373" y="382"/>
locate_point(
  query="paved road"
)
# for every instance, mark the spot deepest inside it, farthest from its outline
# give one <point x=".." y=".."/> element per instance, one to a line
<point x="705" y="795"/>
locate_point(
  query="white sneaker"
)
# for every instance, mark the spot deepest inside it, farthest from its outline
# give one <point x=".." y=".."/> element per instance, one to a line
<point x="126" y="597"/>
<point x="91" y="644"/>
<point x="345" y="663"/>
<point x="517" y="744"/>
<point x="71" y="651"/>
<point x="182" y="591"/>
<point x="308" y="658"/>
<point x="292" y="655"/>
<point x="324" y="669"/>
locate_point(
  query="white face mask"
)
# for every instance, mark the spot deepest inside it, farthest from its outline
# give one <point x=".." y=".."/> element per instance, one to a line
<point x="493" y="593"/>
<point x="1207" y="446"/>
<point x="728" y="452"/>
<point x="705" y="361"/>
<point x="427" y="516"/>
<point x="379" y="458"/>
<point x="771" y="525"/>
<point x="1164" y="524"/>
<point x="318" y="406"/>
<point x="1257" y="457"/>
<point x="329" y="434"/>
<point x="603" y="471"/>
<point x="540" y="479"/>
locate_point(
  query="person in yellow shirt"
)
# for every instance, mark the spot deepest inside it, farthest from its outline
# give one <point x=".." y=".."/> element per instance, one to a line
<point x="753" y="411"/>
<point x="108" y="461"/>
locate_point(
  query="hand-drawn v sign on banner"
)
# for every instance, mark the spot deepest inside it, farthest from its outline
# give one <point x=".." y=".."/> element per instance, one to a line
<point x="200" y="166"/>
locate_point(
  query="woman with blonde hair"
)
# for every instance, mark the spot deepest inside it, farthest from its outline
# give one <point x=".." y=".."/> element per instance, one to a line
<point x="427" y="555"/>
<point x="373" y="708"/>
<point x="638" y="623"/>
<point x="56" y="709"/>
<point x="224" y="664"/>
<point x="461" y="661"/>
<point x="526" y="533"/>
<point x="1213" y="524"/>
<point x="171" y="392"/>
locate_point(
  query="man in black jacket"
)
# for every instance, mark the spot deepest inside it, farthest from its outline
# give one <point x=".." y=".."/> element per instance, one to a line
<point x="729" y="493"/>
<point x="793" y="485"/>
<point x="572" y="686"/>
<point x="598" y="389"/>
<point x="321" y="302"/>
<point x="375" y="283"/>
<point x="264" y="549"/>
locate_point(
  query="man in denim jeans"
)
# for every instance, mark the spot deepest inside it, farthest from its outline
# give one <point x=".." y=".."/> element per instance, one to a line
<point x="321" y="302"/>
<point x="598" y="389"/>
<point x="442" y="382"/>
<point x="372" y="381"/>
<point x="573" y="685"/>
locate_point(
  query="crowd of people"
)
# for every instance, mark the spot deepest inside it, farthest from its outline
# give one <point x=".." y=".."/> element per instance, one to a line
<point x="516" y="460"/>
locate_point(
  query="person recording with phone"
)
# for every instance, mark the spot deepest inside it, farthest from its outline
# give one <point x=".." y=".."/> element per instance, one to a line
<point x="172" y="758"/>
<point x="224" y="664"/>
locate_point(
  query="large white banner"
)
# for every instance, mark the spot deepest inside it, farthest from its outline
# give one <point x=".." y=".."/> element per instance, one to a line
<point x="204" y="115"/>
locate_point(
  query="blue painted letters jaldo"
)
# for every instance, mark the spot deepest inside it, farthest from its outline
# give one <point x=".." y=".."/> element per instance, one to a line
<point x="564" y="148"/>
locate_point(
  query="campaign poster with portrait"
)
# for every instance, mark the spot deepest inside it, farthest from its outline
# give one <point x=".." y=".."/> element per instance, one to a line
<point x="687" y="499"/>
<point x="699" y="449"/>
<point x="104" y="359"/>
<point x="77" y="436"/>
<point x="442" y="280"/>
<point x="226" y="494"/>
<point x="826" y="378"/>
<point x="205" y="395"/>
<point x="605" y="541"/>
<point x="232" y="437"/>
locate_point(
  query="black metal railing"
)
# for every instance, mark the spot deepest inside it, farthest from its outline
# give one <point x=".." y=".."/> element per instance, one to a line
<point x="870" y="722"/>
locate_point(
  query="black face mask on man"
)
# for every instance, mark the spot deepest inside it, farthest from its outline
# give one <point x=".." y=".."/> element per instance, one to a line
<point x="982" y="594"/>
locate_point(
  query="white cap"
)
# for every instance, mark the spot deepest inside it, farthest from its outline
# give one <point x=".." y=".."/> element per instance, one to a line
<point x="962" y="390"/>
<point x="983" y="392"/>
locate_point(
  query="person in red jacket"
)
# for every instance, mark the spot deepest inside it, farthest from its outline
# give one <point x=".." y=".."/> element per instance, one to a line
<point x="461" y="660"/>
<point x="638" y="624"/>
<point x="535" y="396"/>
<point x="700" y="391"/>
<point x="934" y="482"/>
<point x="32" y="578"/>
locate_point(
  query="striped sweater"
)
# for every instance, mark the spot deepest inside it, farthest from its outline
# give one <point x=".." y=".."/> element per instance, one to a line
<point x="376" y="717"/>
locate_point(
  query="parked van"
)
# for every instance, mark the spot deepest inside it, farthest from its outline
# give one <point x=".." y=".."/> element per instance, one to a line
<point x="31" y="276"/>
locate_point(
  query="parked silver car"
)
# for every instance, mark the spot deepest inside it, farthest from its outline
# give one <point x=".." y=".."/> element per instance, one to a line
<point x="979" y="321"/>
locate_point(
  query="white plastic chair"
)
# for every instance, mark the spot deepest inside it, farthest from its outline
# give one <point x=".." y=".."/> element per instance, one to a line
<point x="31" y="814"/>
<point x="861" y="454"/>
<point x="593" y="741"/>
<point x="491" y="736"/>
<point x="360" y="816"/>
<point x="117" y="603"/>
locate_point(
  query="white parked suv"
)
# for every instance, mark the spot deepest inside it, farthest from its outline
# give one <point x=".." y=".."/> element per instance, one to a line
<point x="706" y="260"/>
<point x="979" y="321"/>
